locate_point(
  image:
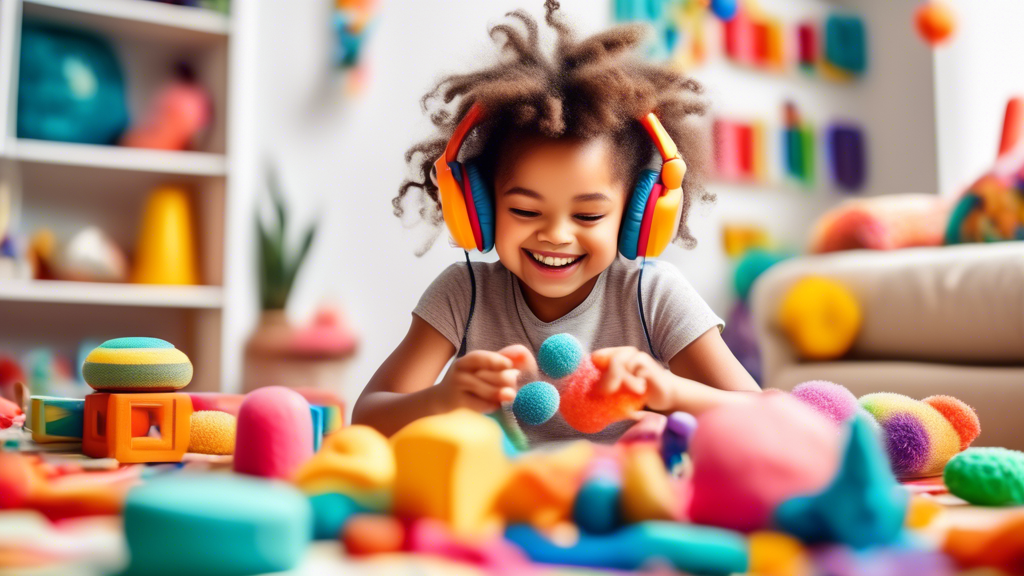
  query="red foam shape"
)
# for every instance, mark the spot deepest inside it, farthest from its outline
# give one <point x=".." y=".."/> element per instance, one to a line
<point x="589" y="410"/>
<point x="274" y="435"/>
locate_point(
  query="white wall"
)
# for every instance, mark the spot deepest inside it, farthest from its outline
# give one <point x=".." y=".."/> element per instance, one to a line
<point x="344" y="156"/>
<point x="975" y="74"/>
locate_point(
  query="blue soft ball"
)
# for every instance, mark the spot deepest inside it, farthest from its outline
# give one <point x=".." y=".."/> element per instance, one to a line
<point x="596" y="509"/>
<point x="724" y="9"/>
<point x="535" y="403"/>
<point x="560" y="355"/>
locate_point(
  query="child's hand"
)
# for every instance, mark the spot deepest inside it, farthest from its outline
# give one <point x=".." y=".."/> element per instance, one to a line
<point x="481" y="380"/>
<point x="638" y="372"/>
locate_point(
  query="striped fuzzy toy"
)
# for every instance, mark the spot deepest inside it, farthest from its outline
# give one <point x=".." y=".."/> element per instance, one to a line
<point x="920" y="435"/>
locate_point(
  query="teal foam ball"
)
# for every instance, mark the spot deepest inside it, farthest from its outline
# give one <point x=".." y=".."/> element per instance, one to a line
<point x="535" y="403"/>
<point x="560" y="355"/>
<point x="596" y="509"/>
<point x="987" y="476"/>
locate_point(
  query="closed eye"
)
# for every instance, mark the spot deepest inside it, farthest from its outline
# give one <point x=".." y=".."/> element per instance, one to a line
<point x="523" y="213"/>
<point x="589" y="217"/>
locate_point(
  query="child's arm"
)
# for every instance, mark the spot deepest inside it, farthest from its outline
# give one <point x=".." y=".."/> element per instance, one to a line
<point x="402" y="389"/>
<point x="702" y="376"/>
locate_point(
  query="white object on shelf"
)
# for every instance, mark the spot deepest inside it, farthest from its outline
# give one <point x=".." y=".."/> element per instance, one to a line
<point x="118" y="157"/>
<point x="137" y="16"/>
<point x="144" y="295"/>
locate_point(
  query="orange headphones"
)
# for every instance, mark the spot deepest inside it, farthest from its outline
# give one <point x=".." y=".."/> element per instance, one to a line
<point x="648" y="224"/>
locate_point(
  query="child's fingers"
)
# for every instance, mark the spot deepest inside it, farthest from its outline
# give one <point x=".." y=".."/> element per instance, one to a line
<point x="602" y="358"/>
<point x="521" y="357"/>
<point x="479" y="405"/>
<point x="615" y="371"/>
<point x="634" y="384"/>
<point x="506" y="394"/>
<point x="484" y="360"/>
<point x="472" y="384"/>
<point x="504" y="378"/>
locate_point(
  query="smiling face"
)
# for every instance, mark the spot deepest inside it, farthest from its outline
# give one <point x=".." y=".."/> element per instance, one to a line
<point x="558" y="209"/>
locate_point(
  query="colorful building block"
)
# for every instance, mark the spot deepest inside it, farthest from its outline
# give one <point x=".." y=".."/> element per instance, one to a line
<point x="807" y="41"/>
<point x="57" y="419"/>
<point x="451" y="467"/>
<point x="846" y="43"/>
<point x="847" y="156"/>
<point x="110" y="430"/>
<point x="542" y="486"/>
<point x="647" y="491"/>
<point x="316" y="414"/>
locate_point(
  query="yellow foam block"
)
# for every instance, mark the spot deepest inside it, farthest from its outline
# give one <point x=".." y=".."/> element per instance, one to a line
<point x="647" y="492"/>
<point x="451" y="467"/>
<point x="356" y="461"/>
<point x="922" y="512"/>
<point x="542" y="486"/>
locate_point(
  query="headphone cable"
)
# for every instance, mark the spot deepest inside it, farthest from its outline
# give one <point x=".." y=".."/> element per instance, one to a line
<point x="640" y="306"/>
<point x="472" y="306"/>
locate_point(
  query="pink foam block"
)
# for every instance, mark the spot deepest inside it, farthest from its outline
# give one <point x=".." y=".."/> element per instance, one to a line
<point x="749" y="458"/>
<point x="274" y="434"/>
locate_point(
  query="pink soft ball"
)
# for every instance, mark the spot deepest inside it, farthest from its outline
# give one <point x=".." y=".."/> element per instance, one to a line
<point x="831" y="400"/>
<point x="749" y="458"/>
<point x="274" y="435"/>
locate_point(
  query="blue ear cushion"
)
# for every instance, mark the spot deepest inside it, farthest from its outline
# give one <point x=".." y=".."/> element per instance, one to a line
<point x="633" y="217"/>
<point x="484" y="203"/>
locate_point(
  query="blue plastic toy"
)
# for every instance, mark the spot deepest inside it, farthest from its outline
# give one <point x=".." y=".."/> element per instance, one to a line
<point x="317" y="416"/>
<point x="560" y="355"/>
<point x="330" y="513"/>
<point x="535" y="403"/>
<point x="846" y="45"/>
<point x="687" y="547"/>
<point x="864" y="506"/>
<point x="724" y="9"/>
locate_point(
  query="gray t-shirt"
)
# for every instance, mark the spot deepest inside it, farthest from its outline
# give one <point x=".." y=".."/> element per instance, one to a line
<point x="676" y="316"/>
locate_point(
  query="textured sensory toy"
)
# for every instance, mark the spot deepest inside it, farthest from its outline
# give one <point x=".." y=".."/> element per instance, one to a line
<point x="116" y="426"/>
<point x="137" y="365"/>
<point x="535" y="403"/>
<point x="215" y="524"/>
<point x="862" y="506"/>
<point x="356" y="461"/>
<point x="821" y="317"/>
<point x="560" y="355"/>
<point x="212" y="433"/>
<point x="749" y="458"/>
<point x="690" y="548"/>
<point x="589" y="410"/>
<point x="921" y="436"/>
<point x="987" y="476"/>
<point x="451" y="467"/>
<point x="57" y="419"/>
<point x="831" y="400"/>
<point x="541" y="487"/>
<point x="274" y="436"/>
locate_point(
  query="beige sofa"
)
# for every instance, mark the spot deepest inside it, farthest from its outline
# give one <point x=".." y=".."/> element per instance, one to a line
<point x="936" y="321"/>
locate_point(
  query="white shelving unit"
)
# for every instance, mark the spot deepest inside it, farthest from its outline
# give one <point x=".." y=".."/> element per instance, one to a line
<point x="66" y="187"/>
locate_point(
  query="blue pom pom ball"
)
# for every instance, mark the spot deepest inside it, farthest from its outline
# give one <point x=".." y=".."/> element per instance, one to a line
<point x="724" y="9"/>
<point x="535" y="403"/>
<point x="560" y="355"/>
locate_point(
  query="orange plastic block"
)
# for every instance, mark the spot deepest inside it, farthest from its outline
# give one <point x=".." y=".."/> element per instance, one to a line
<point x="647" y="491"/>
<point x="109" y="431"/>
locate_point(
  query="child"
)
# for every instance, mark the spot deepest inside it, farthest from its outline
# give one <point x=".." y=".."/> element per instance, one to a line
<point x="562" y="143"/>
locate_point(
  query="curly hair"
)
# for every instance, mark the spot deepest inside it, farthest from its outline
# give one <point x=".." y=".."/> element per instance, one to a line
<point x="594" y="88"/>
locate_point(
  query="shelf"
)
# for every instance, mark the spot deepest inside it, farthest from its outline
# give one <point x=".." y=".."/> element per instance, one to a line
<point x="118" y="158"/>
<point x="139" y="18"/>
<point x="139" y="295"/>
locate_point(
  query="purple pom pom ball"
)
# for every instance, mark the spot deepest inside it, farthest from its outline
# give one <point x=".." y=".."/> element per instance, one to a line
<point x="831" y="400"/>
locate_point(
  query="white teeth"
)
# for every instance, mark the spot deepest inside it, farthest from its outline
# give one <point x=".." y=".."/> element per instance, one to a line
<point x="551" y="261"/>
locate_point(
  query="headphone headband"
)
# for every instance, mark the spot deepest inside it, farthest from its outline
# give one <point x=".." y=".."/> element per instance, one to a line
<point x="467" y="207"/>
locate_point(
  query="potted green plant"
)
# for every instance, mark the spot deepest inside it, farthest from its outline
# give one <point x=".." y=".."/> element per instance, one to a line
<point x="278" y="353"/>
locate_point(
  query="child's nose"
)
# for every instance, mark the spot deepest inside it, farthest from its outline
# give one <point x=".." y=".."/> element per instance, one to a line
<point x="556" y="231"/>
